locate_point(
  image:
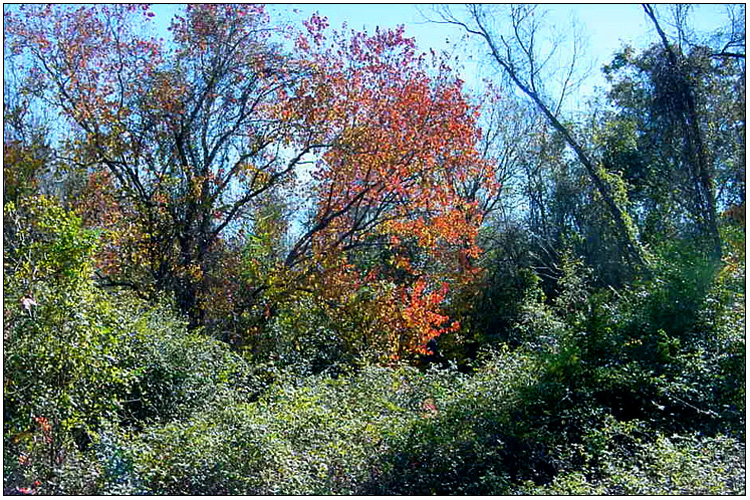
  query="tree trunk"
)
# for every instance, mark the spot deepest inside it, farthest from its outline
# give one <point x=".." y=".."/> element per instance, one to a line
<point x="705" y="201"/>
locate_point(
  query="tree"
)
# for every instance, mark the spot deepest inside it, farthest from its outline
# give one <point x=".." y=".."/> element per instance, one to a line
<point x="26" y="152"/>
<point x="402" y="143"/>
<point x="677" y="133"/>
<point x="517" y="55"/>
<point x="684" y="109"/>
<point x="187" y="142"/>
<point x="185" y="131"/>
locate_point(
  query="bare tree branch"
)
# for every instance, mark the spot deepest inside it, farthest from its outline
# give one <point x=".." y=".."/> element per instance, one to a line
<point x="528" y="86"/>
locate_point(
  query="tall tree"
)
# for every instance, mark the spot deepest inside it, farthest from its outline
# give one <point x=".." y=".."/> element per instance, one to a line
<point x="195" y="137"/>
<point x="403" y="144"/>
<point x="186" y="131"/>
<point x="517" y="55"/>
<point x="677" y="130"/>
<point x="678" y="96"/>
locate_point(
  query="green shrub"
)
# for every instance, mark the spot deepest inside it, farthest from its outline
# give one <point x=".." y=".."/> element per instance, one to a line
<point x="303" y="338"/>
<point x="626" y="459"/>
<point x="350" y="434"/>
<point x="465" y="440"/>
<point x="312" y="438"/>
<point x="178" y="372"/>
<point x="600" y="393"/>
<point x="625" y="352"/>
<point x="81" y="359"/>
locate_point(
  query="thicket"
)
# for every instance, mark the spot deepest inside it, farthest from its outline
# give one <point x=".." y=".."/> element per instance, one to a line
<point x="384" y="350"/>
<point x="631" y="391"/>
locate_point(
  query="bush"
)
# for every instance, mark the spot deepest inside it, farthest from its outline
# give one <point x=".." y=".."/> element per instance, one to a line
<point x="61" y="341"/>
<point x="303" y="337"/>
<point x="325" y="436"/>
<point x="78" y="359"/>
<point x="465" y="440"/>
<point x="379" y="431"/>
<point x="625" y="353"/>
<point x="600" y="393"/>
<point x="626" y="459"/>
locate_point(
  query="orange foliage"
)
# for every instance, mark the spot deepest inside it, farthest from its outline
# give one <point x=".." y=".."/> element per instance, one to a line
<point x="400" y="142"/>
<point x="191" y="139"/>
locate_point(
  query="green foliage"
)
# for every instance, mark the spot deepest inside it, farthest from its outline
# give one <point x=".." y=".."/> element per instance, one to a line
<point x="104" y="367"/>
<point x="303" y="337"/>
<point x="512" y="426"/>
<point x="629" y="461"/>
<point x="208" y="453"/>
<point x="46" y="243"/>
<point x="466" y="439"/>
<point x="664" y="114"/>
<point x="325" y="436"/>
<point x="78" y="357"/>
<point x="59" y="334"/>
<point x="651" y="352"/>
<point x="378" y="431"/>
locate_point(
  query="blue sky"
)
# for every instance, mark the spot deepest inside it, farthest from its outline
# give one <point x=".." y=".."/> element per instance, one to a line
<point x="606" y="26"/>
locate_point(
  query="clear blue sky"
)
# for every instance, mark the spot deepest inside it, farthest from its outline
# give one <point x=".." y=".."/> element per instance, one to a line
<point x="607" y="26"/>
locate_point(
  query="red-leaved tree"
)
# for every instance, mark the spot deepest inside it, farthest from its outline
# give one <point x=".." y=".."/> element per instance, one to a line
<point x="187" y="142"/>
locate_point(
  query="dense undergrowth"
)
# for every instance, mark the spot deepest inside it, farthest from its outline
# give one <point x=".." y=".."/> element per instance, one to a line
<point x="595" y="391"/>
